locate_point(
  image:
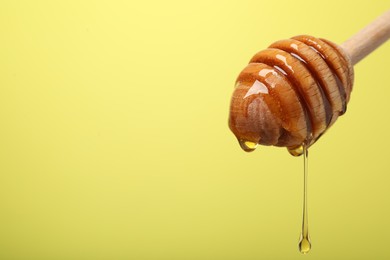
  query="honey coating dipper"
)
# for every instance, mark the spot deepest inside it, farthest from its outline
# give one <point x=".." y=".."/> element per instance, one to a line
<point x="292" y="92"/>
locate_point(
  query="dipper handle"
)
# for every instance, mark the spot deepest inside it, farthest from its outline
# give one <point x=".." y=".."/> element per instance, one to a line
<point x="368" y="39"/>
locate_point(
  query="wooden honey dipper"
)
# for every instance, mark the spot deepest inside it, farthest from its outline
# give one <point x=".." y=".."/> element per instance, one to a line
<point x="291" y="93"/>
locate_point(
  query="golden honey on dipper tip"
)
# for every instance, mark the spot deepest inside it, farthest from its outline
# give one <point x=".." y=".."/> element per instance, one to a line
<point x="290" y="94"/>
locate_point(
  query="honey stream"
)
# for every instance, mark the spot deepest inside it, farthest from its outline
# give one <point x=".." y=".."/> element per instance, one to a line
<point x="304" y="240"/>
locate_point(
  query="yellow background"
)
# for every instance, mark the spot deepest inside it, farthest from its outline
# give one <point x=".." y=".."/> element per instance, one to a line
<point x="114" y="141"/>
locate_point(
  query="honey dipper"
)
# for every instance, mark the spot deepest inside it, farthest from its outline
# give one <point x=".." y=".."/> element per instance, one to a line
<point x="292" y="92"/>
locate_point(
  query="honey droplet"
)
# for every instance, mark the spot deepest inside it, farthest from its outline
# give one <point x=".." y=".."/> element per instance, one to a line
<point x="248" y="146"/>
<point x="304" y="245"/>
<point x="296" y="151"/>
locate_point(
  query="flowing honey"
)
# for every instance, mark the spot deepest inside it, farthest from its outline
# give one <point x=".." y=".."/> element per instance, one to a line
<point x="304" y="241"/>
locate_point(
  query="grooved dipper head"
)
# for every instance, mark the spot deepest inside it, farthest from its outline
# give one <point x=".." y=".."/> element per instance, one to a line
<point x="291" y="93"/>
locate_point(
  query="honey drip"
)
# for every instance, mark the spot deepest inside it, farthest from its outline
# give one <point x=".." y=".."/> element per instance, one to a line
<point x="296" y="151"/>
<point x="248" y="146"/>
<point x="304" y="241"/>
